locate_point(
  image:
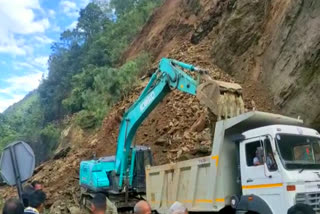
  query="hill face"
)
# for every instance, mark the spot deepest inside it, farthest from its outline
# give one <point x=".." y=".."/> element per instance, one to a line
<point x="273" y="45"/>
<point x="261" y="44"/>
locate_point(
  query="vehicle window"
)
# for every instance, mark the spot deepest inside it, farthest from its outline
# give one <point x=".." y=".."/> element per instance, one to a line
<point x="299" y="151"/>
<point x="303" y="152"/>
<point x="254" y="153"/>
<point x="270" y="161"/>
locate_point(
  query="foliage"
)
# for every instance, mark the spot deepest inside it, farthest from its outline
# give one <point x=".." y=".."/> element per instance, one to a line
<point x="21" y="120"/>
<point x="95" y="45"/>
<point x="84" y="76"/>
<point x="50" y="135"/>
<point x="86" y="119"/>
<point x="96" y="95"/>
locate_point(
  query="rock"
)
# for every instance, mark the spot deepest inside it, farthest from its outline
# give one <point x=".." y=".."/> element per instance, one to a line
<point x="74" y="210"/>
<point x="179" y="153"/>
<point x="185" y="149"/>
<point x="62" y="153"/>
<point x="94" y="142"/>
<point x="161" y="141"/>
<point x="200" y="124"/>
<point x="173" y="129"/>
<point x="176" y="139"/>
<point x="185" y="156"/>
<point x="201" y="150"/>
<point x="186" y="135"/>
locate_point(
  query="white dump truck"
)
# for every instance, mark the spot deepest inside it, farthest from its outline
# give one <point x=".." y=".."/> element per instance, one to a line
<point x="260" y="163"/>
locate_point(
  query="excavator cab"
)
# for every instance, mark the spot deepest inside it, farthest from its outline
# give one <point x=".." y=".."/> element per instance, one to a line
<point x="142" y="158"/>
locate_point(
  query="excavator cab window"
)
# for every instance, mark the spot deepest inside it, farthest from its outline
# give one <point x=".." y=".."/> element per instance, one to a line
<point x="142" y="159"/>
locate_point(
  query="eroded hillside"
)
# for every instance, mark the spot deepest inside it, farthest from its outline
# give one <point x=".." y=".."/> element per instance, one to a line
<point x="272" y="46"/>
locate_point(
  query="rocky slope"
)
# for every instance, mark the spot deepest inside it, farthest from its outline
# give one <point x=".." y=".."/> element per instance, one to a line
<point x="272" y="46"/>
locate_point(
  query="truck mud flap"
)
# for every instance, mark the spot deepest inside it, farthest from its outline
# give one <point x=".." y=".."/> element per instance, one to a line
<point x="253" y="203"/>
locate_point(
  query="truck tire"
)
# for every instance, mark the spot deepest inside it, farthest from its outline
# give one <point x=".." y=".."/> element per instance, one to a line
<point x="301" y="209"/>
<point x="227" y="210"/>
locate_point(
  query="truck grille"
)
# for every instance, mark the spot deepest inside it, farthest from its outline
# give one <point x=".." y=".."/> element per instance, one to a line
<point x="310" y="198"/>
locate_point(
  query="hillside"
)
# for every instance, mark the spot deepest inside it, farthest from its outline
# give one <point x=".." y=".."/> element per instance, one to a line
<point x="260" y="44"/>
<point x="24" y="121"/>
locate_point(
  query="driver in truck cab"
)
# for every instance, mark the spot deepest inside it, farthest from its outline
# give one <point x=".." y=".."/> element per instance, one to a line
<point x="258" y="159"/>
<point x="271" y="163"/>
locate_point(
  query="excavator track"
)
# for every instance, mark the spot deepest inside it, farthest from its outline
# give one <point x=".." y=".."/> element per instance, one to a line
<point x="116" y="203"/>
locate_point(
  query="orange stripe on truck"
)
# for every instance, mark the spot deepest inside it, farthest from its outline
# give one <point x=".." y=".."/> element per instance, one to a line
<point x="215" y="158"/>
<point x="219" y="199"/>
<point x="260" y="186"/>
<point x="203" y="201"/>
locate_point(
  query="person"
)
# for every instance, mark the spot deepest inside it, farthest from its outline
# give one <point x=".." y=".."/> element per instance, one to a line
<point x="37" y="185"/>
<point x="301" y="209"/>
<point x="142" y="207"/>
<point x="258" y="159"/>
<point x="271" y="162"/>
<point x="99" y="204"/>
<point x="36" y="202"/>
<point x="12" y="206"/>
<point x="27" y="190"/>
<point x="178" y="208"/>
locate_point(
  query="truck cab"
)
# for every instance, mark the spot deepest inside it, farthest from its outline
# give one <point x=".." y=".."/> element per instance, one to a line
<point x="280" y="165"/>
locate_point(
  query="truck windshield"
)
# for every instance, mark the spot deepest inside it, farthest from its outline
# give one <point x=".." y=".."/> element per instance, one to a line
<point x="299" y="152"/>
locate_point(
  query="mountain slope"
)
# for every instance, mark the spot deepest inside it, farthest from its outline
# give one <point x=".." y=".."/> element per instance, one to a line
<point x="268" y="46"/>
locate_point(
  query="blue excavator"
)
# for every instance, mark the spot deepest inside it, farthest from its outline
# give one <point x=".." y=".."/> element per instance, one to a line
<point x="122" y="177"/>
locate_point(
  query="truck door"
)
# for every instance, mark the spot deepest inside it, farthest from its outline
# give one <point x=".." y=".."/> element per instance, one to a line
<point x="259" y="172"/>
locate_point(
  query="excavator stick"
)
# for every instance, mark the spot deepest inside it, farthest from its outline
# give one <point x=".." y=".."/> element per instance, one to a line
<point x="223" y="99"/>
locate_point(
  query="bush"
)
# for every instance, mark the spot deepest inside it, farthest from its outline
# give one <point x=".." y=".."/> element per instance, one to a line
<point x="86" y="119"/>
<point x="50" y="136"/>
<point x="109" y="85"/>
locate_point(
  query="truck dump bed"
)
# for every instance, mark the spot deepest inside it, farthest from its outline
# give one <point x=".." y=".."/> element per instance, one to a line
<point x="207" y="183"/>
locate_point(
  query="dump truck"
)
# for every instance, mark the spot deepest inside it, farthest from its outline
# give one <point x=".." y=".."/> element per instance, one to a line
<point x="260" y="163"/>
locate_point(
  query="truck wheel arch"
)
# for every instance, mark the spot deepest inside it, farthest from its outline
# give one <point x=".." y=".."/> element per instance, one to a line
<point x="253" y="203"/>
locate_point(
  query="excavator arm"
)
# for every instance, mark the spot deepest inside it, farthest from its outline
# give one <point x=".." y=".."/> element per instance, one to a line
<point x="169" y="76"/>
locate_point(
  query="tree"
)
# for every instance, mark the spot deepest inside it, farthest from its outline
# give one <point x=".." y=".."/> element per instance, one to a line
<point x="123" y="6"/>
<point x="91" y="21"/>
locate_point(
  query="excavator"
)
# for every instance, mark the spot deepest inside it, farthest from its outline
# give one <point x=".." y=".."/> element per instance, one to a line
<point x="122" y="177"/>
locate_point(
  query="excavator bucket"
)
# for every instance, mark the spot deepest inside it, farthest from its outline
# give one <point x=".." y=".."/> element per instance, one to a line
<point x="223" y="99"/>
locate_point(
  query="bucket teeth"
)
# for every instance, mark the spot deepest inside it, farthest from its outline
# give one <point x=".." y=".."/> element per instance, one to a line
<point x="222" y="98"/>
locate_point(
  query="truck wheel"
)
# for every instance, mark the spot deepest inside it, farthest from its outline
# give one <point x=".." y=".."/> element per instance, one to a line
<point x="301" y="209"/>
<point x="227" y="210"/>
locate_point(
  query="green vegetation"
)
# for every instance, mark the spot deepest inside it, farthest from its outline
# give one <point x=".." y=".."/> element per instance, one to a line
<point x="85" y="75"/>
<point x="21" y="121"/>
